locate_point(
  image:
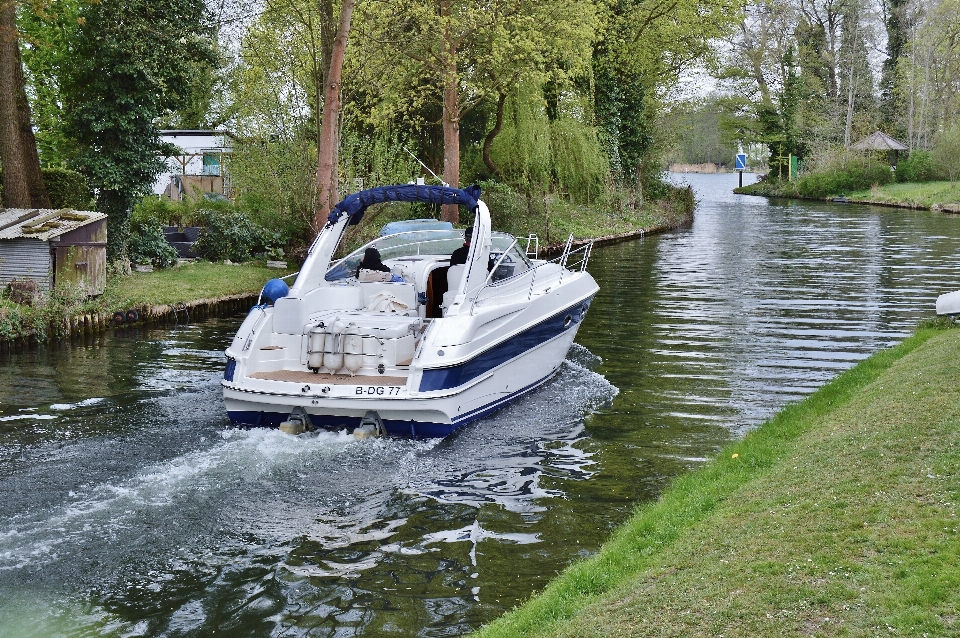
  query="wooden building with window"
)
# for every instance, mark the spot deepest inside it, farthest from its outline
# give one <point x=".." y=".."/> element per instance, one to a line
<point x="52" y="246"/>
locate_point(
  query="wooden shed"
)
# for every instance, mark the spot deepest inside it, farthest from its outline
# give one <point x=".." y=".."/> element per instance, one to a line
<point x="51" y="246"/>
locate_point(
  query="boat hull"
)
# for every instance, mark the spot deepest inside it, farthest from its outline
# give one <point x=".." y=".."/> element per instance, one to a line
<point x="435" y="413"/>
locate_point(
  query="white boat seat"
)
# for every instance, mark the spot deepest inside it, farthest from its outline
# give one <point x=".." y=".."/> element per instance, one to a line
<point x="454" y="276"/>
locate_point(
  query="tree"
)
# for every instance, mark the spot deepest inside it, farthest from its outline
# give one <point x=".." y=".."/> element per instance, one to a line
<point x="930" y="72"/>
<point x="898" y="25"/>
<point x="471" y="53"/>
<point x="22" y="182"/>
<point x="131" y="64"/>
<point x="327" y="192"/>
<point x="648" y="47"/>
<point x="946" y="152"/>
<point x="46" y="33"/>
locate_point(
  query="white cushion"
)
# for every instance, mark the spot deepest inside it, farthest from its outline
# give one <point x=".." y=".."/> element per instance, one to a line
<point x="454" y="276"/>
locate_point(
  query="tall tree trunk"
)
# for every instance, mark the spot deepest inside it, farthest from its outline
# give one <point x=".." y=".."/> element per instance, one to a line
<point x="849" y="123"/>
<point x="451" y="114"/>
<point x="492" y="135"/>
<point x="327" y="191"/>
<point x="22" y="181"/>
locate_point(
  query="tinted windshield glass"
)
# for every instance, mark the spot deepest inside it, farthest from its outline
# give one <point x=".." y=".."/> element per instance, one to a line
<point x="419" y="242"/>
<point x="514" y="262"/>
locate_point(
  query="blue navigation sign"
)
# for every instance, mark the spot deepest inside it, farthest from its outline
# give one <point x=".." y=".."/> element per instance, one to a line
<point x="741" y="161"/>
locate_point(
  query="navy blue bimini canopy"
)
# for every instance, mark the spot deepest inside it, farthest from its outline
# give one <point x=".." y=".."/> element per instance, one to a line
<point x="355" y="205"/>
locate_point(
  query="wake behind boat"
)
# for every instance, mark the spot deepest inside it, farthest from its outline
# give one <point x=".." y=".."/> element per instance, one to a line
<point x="420" y="350"/>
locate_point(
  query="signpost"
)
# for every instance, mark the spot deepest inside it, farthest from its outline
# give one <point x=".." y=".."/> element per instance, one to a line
<point x="741" y="165"/>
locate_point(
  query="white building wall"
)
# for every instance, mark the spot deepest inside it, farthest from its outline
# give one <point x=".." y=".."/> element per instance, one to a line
<point x="194" y="145"/>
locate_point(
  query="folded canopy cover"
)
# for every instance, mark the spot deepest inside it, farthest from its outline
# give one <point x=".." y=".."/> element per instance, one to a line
<point x="355" y="205"/>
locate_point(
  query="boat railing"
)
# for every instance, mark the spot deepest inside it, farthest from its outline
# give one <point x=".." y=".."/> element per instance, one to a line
<point x="570" y="260"/>
<point x="533" y="246"/>
<point x="575" y="259"/>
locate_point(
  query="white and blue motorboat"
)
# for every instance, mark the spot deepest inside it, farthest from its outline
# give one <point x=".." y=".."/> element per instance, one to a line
<point x="434" y="348"/>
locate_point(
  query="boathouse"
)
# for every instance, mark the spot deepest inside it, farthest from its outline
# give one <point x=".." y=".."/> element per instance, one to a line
<point x="50" y="246"/>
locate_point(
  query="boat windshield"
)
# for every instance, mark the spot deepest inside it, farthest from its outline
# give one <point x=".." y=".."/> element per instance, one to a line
<point x="435" y="243"/>
<point x="439" y="243"/>
<point x="513" y="263"/>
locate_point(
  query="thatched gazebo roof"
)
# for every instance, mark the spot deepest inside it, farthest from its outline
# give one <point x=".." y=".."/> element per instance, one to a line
<point x="878" y="142"/>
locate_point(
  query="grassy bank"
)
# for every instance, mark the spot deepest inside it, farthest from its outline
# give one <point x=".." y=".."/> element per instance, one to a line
<point x="926" y="195"/>
<point x="836" y="518"/>
<point x="930" y="195"/>
<point x="200" y="280"/>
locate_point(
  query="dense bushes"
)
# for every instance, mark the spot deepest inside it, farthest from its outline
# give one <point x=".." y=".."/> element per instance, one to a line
<point x="147" y="244"/>
<point x="229" y="234"/>
<point x="918" y="167"/>
<point x="836" y="174"/>
<point x="65" y="188"/>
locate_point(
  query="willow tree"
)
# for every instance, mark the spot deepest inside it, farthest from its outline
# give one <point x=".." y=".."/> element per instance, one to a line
<point x="468" y="53"/>
<point x="22" y="181"/>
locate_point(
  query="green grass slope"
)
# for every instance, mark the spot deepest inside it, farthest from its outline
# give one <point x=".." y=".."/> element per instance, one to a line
<point x="836" y="518"/>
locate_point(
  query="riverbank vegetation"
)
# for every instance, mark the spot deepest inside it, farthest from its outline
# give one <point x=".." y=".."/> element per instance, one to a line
<point x="534" y="100"/>
<point x="798" y="83"/>
<point x="48" y="316"/>
<point x="935" y="195"/>
<point x="557" y="119"/>
<point x="836" y="517"/>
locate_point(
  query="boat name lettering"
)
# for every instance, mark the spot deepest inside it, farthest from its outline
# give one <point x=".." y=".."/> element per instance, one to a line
<point x="389" y="390"/>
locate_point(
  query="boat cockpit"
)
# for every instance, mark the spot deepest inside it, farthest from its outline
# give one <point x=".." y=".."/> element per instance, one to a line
<point x="423" y="282"/>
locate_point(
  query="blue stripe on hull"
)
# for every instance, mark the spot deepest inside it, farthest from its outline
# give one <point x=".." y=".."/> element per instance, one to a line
<point x="455" y="376"/>
<point x="414" y="429"/>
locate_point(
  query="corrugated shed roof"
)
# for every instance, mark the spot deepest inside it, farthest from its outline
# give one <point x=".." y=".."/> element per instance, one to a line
<point x="45" y="223"/>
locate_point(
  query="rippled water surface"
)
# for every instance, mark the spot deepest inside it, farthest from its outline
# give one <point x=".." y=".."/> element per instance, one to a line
<point x="129" y="507"/>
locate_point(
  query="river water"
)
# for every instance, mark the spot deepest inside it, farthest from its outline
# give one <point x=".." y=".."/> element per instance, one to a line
<point x="129" y="507"/>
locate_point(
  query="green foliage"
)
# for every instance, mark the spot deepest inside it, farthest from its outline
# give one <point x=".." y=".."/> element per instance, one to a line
<point x="536" y="154"/>
<point x="579" y="164"/>
<point x="835" y="173"/>
<point x="161" y="211"/>
<point x="918" y="167"/>
<point x="699" y="134"/>
<point x="375" y="158"/>
<point x="43" y="319"/>
<point x="946" y="151"/>
<point x="130" y="63"/>
<point x="522" y="151"/>
<point x="229" y="234"/>
<point x="67" y="189"/>
<point x="509" y="210"/>
<point x="147" y="245"/>
<point x="50" y="29"/>
<point x="275" y="183"/>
